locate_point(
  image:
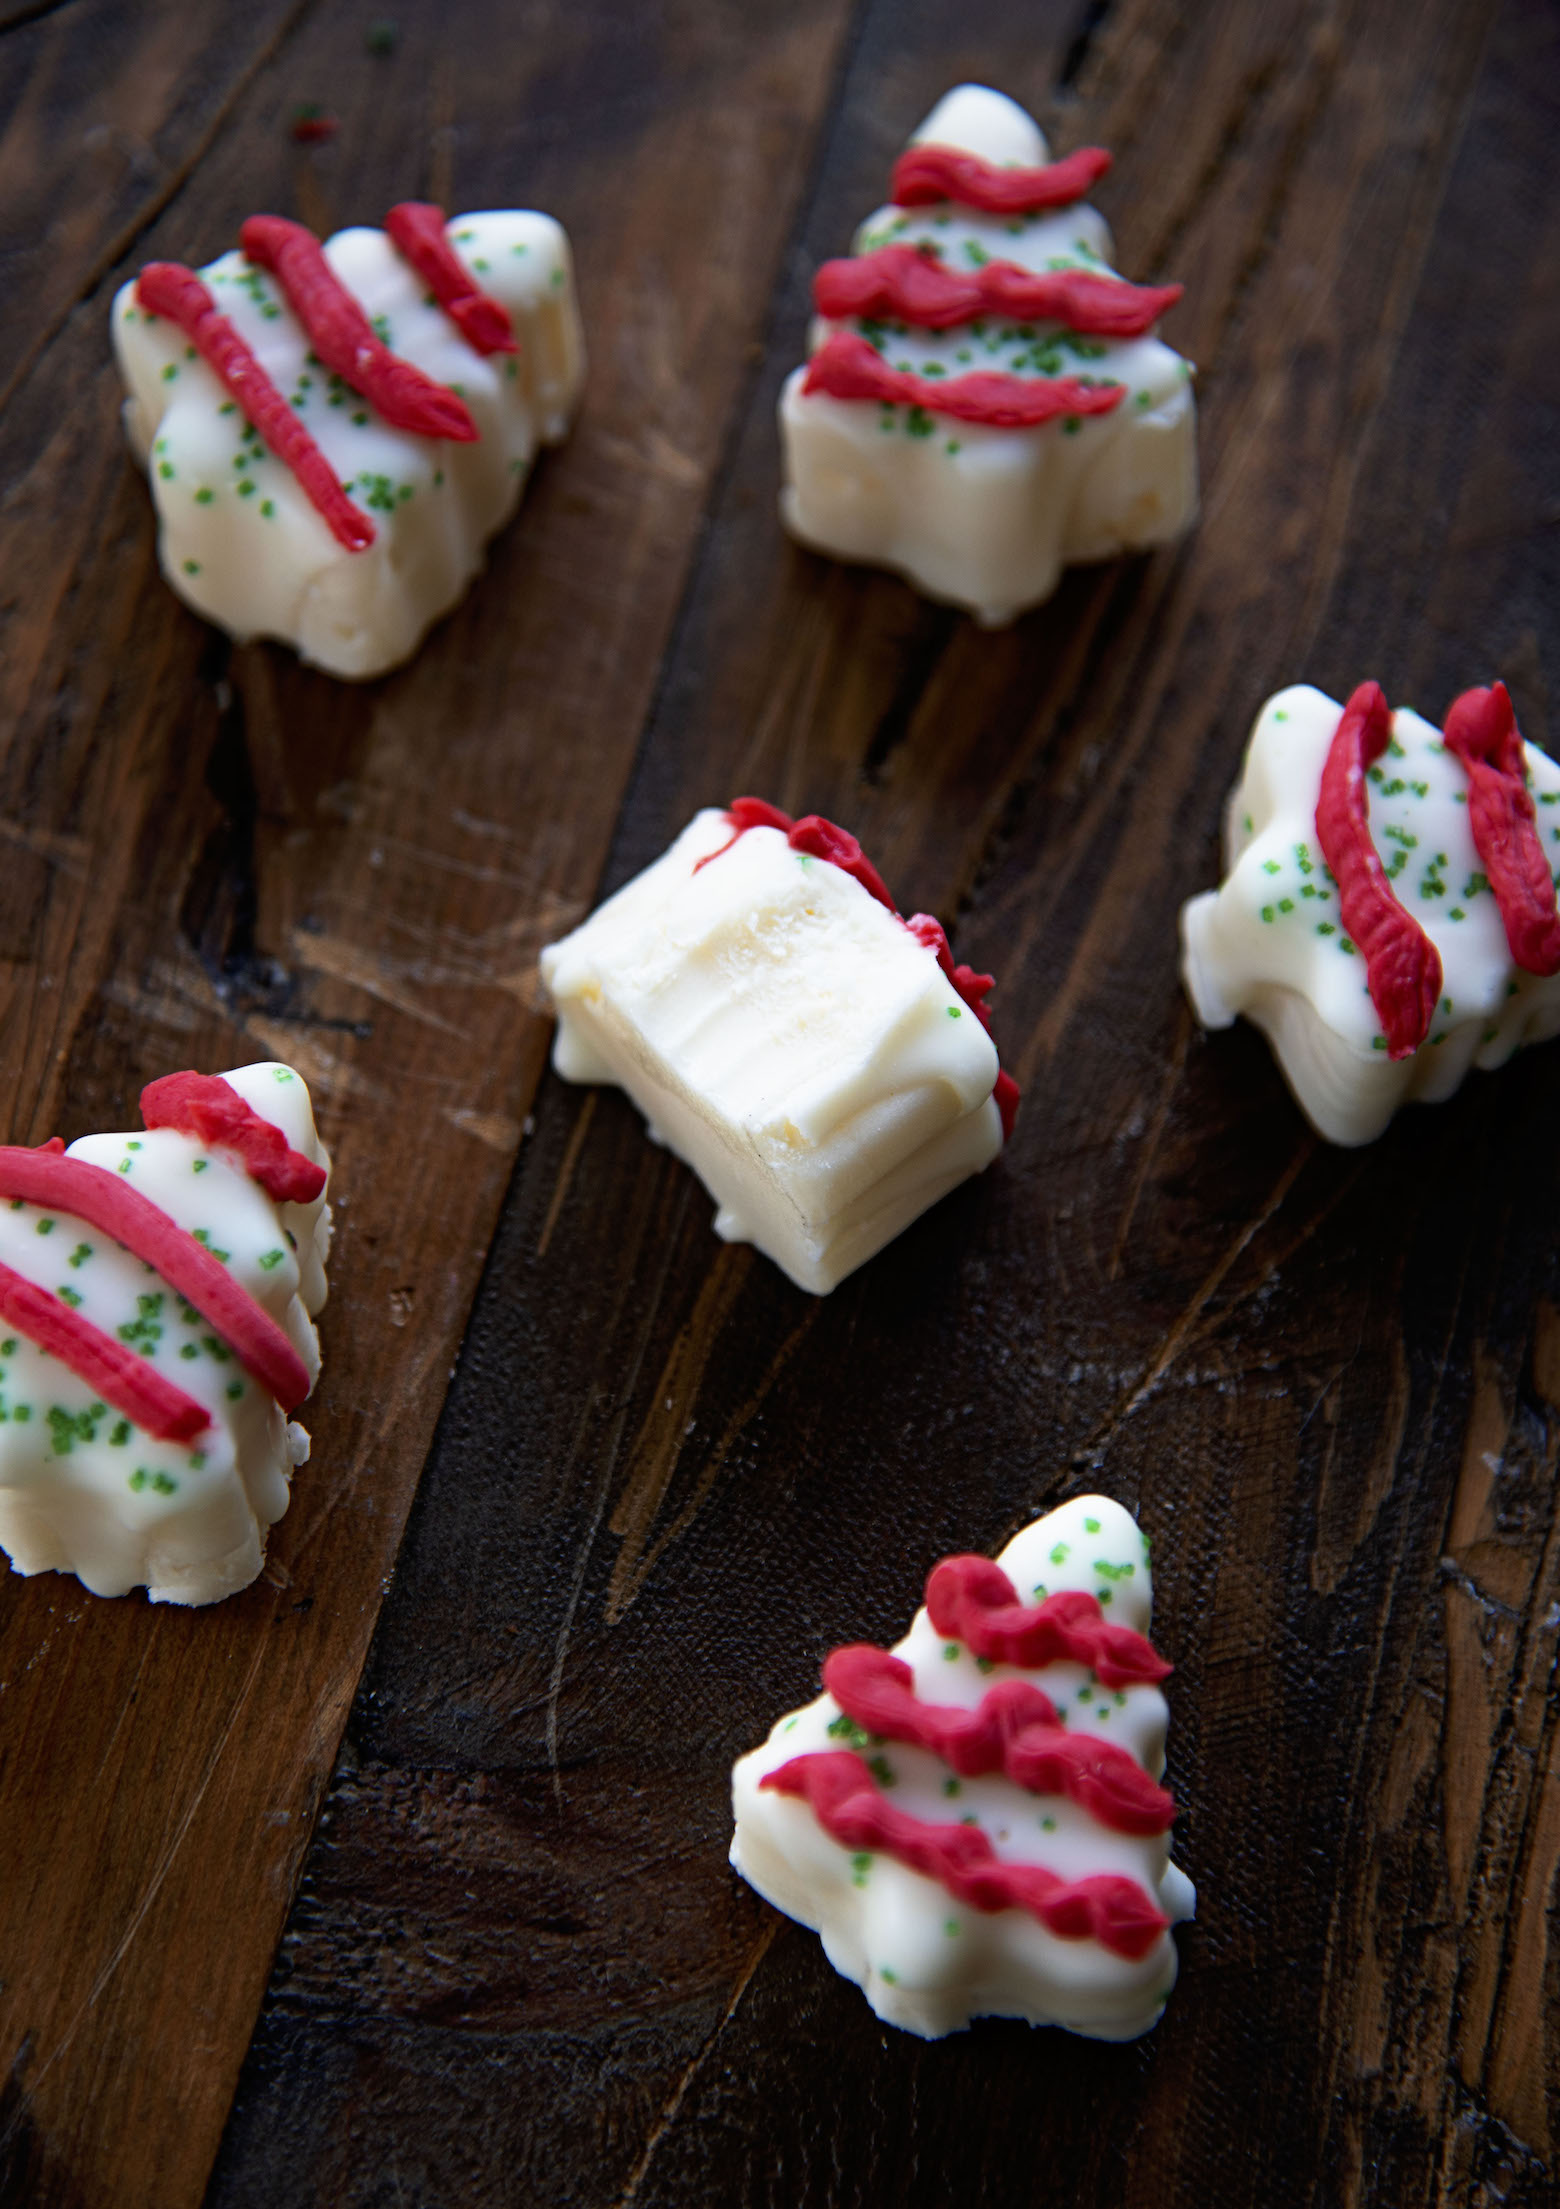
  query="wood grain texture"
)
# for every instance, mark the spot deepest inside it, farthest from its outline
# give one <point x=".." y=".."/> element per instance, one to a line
<point x="213" y="855"/>
<point x="666" y="1483"/>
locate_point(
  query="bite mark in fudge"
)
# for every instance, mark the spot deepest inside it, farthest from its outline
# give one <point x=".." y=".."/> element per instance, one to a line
<point x="818" y="1060"/>
<point x="974" y="1821"/>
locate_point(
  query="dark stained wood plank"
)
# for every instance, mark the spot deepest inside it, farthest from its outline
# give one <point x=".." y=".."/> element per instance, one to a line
<point x="214" y="854"/>
<point x="666" y="1483"/>
<point x="104" y="113"/>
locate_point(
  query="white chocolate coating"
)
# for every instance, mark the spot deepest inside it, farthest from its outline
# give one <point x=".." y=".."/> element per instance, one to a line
<point x="786" y="1036"/>
<point x="238" y="538"/>
<point x="987" y="518"/>
<point x="84" y="1490"/>
<point x="924" y="1960"/>
<point x="1269" y="942"/>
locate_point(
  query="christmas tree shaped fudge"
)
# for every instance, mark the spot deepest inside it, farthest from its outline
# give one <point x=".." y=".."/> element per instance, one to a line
<point x="986" y="401"/>
<point x="1387" y="917"/>
<point x="332" y="433"/>
<point x="973" y="1820"/>
<point x="156" y="1329"/>
<point x="820" y="1062"/>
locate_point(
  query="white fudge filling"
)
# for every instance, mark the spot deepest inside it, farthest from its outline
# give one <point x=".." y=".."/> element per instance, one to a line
<point x="987" y="518"/>
<point x="82" y="1488"/>
<point x="924" y="1960"/>
<point x="785" y="1035"/>
<point x="238" y="538"/>
<point x="1269" y="942"/>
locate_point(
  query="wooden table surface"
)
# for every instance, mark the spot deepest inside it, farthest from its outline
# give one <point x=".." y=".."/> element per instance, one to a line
<point x="401" y="1878"/>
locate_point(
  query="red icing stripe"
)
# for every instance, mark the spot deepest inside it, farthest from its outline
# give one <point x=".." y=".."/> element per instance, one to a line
<point x="924" y="174"/>
<point x="341" y="334"/>
<point x="211" y="1109"/>
<point x="907" y="283"/>
<point x="821" y="839"/>
<point x="417" y="230"/>
<point x="118" y="1374"/>
<point x="168" y="288"/>
<point x="971" y="1599"/>
<point x="107" y="1202"/>
<point x="1481" y="731"/>
<point x="1402" y="965"/>
<point x="1108" y="1908"/>
<point x="846" y="367"/>
<point x="1014" y="1730"/>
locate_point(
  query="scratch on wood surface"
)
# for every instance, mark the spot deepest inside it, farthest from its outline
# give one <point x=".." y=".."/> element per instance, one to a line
<point x="71" y="853"/>
<point x="571" y="1159"/>
<point x="373" y="972"/>
<point x="499" y="1130"/>
<point x="685" y="1368"/>
<point x="1172" y="1343"/>
<point x="679" y="2094"/>
<point x="659" y="1443"/>
<point x="648" y="1308"/>
<point x="325" y="1072"/>
<point x="1167" y="1090"/>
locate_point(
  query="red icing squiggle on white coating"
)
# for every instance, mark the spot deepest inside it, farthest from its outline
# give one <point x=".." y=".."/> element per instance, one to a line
<point x="821" y="839"/>
<point x="1013" y="1730"/>
<point x="844" y="1798"/>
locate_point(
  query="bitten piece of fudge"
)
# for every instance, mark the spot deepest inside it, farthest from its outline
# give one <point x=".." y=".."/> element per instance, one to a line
<point x="333" y="433"/>
<point x="986" y="402"/>
<point x="818" y="1061"/>
<point x="1387" y="916"/>
<point x="157" y="1301"/>
<point x="974" y="1819"/>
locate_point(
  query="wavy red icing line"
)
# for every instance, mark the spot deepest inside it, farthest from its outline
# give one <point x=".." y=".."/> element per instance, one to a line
<point x="119" y="1375"/>
<point x="1481" y="732"/>
<point x="211" y="1109"/>
<point x="1402" y="965"/>
<point x="105" y="1201"/>
<point x="909" y="284"/>
<point x="418" y="231"/>
<point x="821" y="839"/>
<point x="971" y="1599"/>
<point x="1013" y="1729"/>
<point x="1107" y="1907"/>
<point x="847" y="367"/>
<point x="924" y="174"/>
<point x="168" y="288"/>
<point x="343" y="337"/>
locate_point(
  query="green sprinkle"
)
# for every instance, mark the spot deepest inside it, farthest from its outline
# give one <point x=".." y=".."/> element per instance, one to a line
<point x="139" y="1478"/>
<point x="952" y="1787"/>
<point x="46" y="1227"/>
<point x="191" y="567"/>
<point x="68" y="1296"/>
<point x="1048" y="1825"/>
<point x="121" y="1434"/>
<point x="1061" y="1553"/>
<point x="954" y="1013"/>
<point x="272" y="1258"/>
<point x="235" y="1390"/>
<point x="164" y="1484"/>
<point x="1091" y="1526"/>
<point x="950" y="1648"/>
